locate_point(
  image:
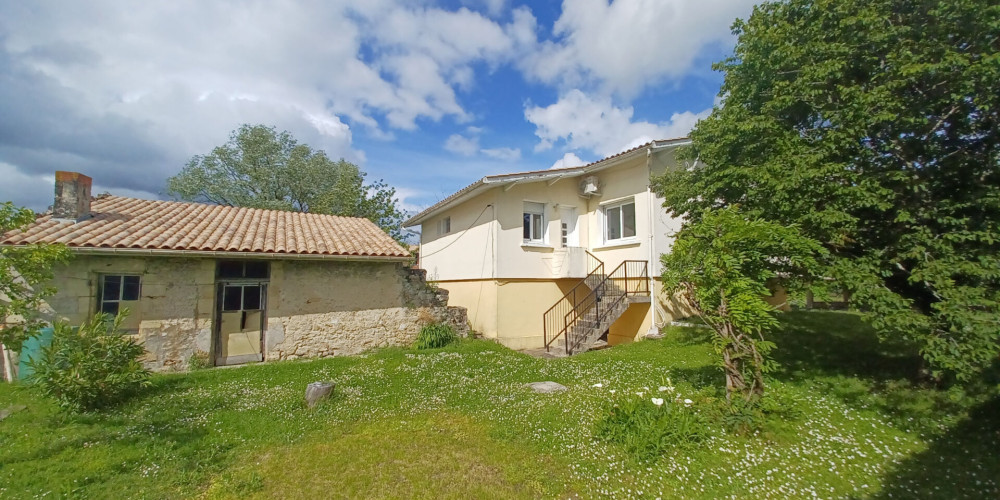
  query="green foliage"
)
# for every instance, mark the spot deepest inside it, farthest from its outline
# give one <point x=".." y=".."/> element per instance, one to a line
<point x="200" y="360"/>
<point x="777" y="407"/>
<point x="874" y="126"/>
<point x="434" y="336"/>
<point x="723" y="264"/>
<point x="262" y="168"/>
<point x="647" y="431"/>
<point x="24" y="272"/>
<point x="91" y="367"/>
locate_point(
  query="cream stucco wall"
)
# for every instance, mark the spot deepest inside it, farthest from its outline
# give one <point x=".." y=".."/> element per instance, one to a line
<point x="507" y="284"/>
<point x="479" y="297"/>
<point x="518" y="260"/>
<point x="469" y="250"/>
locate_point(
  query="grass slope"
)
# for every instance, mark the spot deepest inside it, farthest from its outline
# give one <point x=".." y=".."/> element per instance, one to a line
<point x="459" y="423"/>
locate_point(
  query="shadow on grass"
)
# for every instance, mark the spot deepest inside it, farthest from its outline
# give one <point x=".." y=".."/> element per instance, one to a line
<point x="702" y="377"/>
<point x="814" y="343"/>
<point x="687" y="335"/>
<point x="961" y="463"/>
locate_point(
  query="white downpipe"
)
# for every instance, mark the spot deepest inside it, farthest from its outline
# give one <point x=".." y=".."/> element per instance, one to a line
<point x="653" y="302"/>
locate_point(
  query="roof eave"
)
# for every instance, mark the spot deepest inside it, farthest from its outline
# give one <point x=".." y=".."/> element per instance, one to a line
<point x="492" y="181"/>
<point x="233" y="254"/>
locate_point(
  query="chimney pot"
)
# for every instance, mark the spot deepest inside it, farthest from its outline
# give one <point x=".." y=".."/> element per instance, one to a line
<point x="72" y="196"/>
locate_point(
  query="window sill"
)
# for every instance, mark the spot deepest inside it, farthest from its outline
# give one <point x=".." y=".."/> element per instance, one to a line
<point x="537" y="245"/>
<point x="628" y="242"/>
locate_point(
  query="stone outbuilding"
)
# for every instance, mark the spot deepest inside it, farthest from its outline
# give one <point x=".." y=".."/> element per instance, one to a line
<point x="232" y="285"/>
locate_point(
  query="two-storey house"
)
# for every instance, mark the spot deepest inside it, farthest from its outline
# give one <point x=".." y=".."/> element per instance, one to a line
<point x="557" y="258"/>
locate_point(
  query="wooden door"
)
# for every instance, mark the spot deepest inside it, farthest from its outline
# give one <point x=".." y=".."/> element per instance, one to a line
<point x="240" y="322"/>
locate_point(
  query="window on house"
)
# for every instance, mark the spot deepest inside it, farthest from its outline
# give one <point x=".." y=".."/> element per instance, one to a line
<point x="446" y="225"/>
<point x="619" y="221"/>
<point x="534" y="222"/>
<point x="117" y="291"/>
<point x="237" y="269"/>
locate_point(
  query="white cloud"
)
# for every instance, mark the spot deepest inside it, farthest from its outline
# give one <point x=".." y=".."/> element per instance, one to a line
<point x="493" y="7"/>
<point x="462" y="145"/>
<point x="469" y="146"/>
<point x="568" y="160"/>
<point x="626" y="45"/>
<point x="597" y="125"/>
<point x="505" y="154"/>
<point x="128" y="95"/>
<point x="406" y="197"/>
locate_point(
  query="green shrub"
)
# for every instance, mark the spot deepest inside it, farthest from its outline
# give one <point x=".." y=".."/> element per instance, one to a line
<point x="646" y="430"/>
<point x="777" y="407"/>
<point x="91" y="367"/>
<point x="435" y="335"/>
<point x="200" y="360"/>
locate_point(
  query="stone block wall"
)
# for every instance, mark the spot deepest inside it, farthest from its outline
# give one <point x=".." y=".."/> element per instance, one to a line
<point x="173" y="317"/>
<point x="353" y="332"/>
<point x="337" y="308"/>
<point x="314" y="307"/>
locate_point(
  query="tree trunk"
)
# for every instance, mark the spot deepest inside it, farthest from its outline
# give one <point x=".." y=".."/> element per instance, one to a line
<point x="735" y="382"/>
<point x="318" y="391"/>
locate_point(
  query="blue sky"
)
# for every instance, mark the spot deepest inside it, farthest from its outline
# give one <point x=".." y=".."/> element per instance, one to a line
<point x="429" y="96"/>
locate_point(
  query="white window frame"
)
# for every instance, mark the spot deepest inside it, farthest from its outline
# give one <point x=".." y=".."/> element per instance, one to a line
<point x="444" y="225"/>
<point x="606" y="226"/>
<point x="534" y="212"/>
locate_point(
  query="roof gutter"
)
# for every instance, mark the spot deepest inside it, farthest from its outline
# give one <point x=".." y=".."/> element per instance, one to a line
<point x="142" y="252"/>
<point x="508" y="180"/>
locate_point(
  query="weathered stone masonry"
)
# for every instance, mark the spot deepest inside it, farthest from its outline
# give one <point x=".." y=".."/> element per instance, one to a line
<point x="351" y="307"/>
<point x="315" y="307"/>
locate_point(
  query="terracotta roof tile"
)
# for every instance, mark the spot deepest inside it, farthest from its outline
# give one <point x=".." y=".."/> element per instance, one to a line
<point x="119" y="222"/>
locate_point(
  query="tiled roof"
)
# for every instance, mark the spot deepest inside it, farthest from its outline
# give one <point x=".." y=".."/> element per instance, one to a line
<point x="130" y="223"/>
<point x="541" y="174"/>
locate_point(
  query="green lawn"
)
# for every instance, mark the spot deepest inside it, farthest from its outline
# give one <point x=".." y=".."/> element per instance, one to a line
<point x="459" y="423"/>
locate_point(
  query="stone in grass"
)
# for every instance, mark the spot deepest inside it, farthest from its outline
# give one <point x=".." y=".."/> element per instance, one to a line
<point x="318" y="391"/>
<point x="546" y="387"/>
<point x="10" y="410"/>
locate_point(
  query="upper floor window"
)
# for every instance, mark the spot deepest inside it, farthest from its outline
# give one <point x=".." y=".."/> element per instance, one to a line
<point x="619" y="221"/>
<point x="534" y="222"/>
<point x="116" y="291"/>
<point x="445" y="225"/>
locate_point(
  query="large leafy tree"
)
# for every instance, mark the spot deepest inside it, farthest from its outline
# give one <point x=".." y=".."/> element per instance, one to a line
<point x="722" y="265"/>
<point x="262" y="168"/>
<point x="25" y="274"/>
<point x="873" y="125"/>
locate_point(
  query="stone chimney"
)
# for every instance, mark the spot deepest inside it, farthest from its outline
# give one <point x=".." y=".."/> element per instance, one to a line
<point x="72" y="196"/>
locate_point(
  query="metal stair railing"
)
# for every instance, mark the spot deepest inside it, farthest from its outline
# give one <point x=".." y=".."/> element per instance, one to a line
<point x="585" y="320"/>
<point x="552" y="319"/>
